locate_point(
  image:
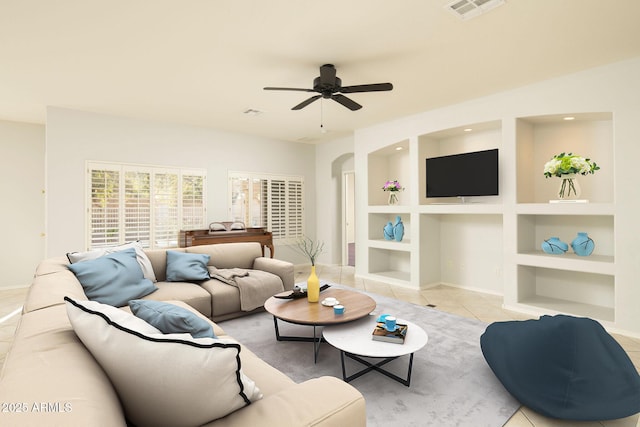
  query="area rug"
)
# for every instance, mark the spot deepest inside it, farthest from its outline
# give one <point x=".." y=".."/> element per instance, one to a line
<point x="451" y="383"/>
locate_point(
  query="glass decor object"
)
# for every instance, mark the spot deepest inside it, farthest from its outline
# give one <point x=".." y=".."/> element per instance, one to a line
<point x="567" y="166"/>
<point x="392" y="187"/>
<point x="583" y="245"/>
<point x="554" y="246"/>
<point x="569" y="188"/>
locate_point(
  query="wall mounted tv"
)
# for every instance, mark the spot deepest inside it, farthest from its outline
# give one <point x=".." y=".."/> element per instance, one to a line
<point x="463" y="175"/>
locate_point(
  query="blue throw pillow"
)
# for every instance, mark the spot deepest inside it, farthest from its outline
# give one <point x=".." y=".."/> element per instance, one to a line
<point x="184" y="267"/>
<point x="113" y="279"/>
<point x="171" y="319"/>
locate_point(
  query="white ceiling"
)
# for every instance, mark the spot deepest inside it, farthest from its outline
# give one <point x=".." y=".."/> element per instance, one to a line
<point x="204" y="62"/>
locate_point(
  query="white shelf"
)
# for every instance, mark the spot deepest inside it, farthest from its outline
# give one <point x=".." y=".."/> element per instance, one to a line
<point x="561" y="306"/>
<point x="600" y="264"/>
<point x="393" y="209"/>
<point x="395" y="277"/>
<point x="461" y="208"/>
<point x="392" y="245"/>
<point x="565" y="208"/>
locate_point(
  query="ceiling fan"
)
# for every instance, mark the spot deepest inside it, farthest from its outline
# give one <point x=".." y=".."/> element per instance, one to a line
<point x="330" y="87"/>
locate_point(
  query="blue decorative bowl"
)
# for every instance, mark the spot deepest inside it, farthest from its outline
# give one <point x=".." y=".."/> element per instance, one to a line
<point x="554" y="246"/>
<point x="583" y="245"/>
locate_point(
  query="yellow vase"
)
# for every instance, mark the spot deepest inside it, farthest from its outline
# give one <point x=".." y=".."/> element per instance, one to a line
<point x="313" y="286"/>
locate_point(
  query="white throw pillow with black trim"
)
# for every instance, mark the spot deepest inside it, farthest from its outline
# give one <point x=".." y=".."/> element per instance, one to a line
<point x="163" y="379"/>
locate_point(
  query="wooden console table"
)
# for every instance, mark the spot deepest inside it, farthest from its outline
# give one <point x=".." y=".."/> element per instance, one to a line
<point x="188" y="238"/>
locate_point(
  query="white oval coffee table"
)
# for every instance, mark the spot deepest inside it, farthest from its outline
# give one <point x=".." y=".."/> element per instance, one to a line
<point x="354" y="341"/>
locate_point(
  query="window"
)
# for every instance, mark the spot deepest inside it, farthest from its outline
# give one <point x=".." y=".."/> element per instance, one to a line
<point x="150" y="204"/>
<point x="270" y="201"/>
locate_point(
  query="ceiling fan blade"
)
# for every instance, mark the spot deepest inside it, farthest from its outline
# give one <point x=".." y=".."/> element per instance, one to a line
<point x="289" y="88"/>
<point x="375" y="87"/>
<point x="327" y="75"/>
<point x="307" y="102"/>
<point x="350" y="104"/>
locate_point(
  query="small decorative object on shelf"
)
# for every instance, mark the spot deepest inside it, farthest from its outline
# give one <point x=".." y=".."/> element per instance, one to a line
<point x="392" y="187"/>
<point x="583" y="245"/>
<point x="398" y="229"/>
<point x="387" y="231"/>
<point x="554" y="246"/>
<point x="567" y="166"/>
<point x="569" y="188"/>
<point x="380" y="333"/>
<point x="311" y="249"/>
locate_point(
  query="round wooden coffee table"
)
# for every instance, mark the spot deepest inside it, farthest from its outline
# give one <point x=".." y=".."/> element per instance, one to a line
<point x="301" y="312"/>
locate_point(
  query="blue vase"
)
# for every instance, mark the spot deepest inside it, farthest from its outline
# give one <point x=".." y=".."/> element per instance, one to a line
<point x="554" y="246"/>
<point x="583" y="245"/>
<point x="398" y="229"/>
<point x="388" y="231"/>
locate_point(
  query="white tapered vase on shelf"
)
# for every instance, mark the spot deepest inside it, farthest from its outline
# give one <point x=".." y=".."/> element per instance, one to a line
<point x="569" y="188"/>
<point x="393" y="198"/>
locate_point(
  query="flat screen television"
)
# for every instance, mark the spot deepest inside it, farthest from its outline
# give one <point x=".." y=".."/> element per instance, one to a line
<point x="463" y="175"/>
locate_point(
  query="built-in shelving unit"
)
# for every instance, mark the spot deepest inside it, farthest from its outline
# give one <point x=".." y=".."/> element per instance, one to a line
<point x="566" y="283"/>
<point x="493" y="244"/>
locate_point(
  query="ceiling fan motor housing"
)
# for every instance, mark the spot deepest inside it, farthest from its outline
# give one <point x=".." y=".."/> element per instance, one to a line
<point x="327" y="89"/>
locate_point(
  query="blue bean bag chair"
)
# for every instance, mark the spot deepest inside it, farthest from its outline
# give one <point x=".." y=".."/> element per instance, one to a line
<point x="563" y="367"/>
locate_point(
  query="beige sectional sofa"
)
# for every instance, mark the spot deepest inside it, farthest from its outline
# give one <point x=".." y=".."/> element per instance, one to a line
<point x="51" y="378"/>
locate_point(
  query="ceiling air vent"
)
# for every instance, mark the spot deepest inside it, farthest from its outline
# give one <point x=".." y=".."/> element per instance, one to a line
<point x="466" y="9"/>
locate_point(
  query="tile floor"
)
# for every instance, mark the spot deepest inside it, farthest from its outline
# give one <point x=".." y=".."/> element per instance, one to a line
<point x="475" y="305"/>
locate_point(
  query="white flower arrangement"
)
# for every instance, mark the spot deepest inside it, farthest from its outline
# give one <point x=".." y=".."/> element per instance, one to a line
<point x="569" y="164"/>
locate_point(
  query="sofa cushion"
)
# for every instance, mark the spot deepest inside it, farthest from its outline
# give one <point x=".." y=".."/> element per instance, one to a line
<point x="563" y="367"/>
<point x="192" y="294"/>
<point x="141" y="257"/>
<point x="165" y="379"/>
<point x="113" y="279"/>
<point x="48" y="290"/>
<point x="184" y="267"/>
<point x="230" y="255"/>
<point x="171" y="319"/>
<point x="225" y="299"/>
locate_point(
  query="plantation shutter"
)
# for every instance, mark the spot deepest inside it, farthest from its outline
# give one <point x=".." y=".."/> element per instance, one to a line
<point x="137" y="207"/>
<point x="149" y="204"/>
<point x="193" y="207"/>
<point x="294" y="209"/>
<point x="241" y="206"/>
<point x="273" y="202"/>
<point x="165" y="209"/>
<point x="263" y="186"/>
<point x="277" y="209"/>
<point x="104" y="207"/>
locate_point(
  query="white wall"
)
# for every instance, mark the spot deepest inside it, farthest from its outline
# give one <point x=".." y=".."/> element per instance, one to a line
<point x="332" y="159"/>
<point x="612" y="88"/>
<point x="73" y="137"/>
<point x="22" y="214"/>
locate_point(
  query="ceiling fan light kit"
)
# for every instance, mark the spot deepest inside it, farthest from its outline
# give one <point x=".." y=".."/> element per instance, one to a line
<point x="329" y="86"/>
